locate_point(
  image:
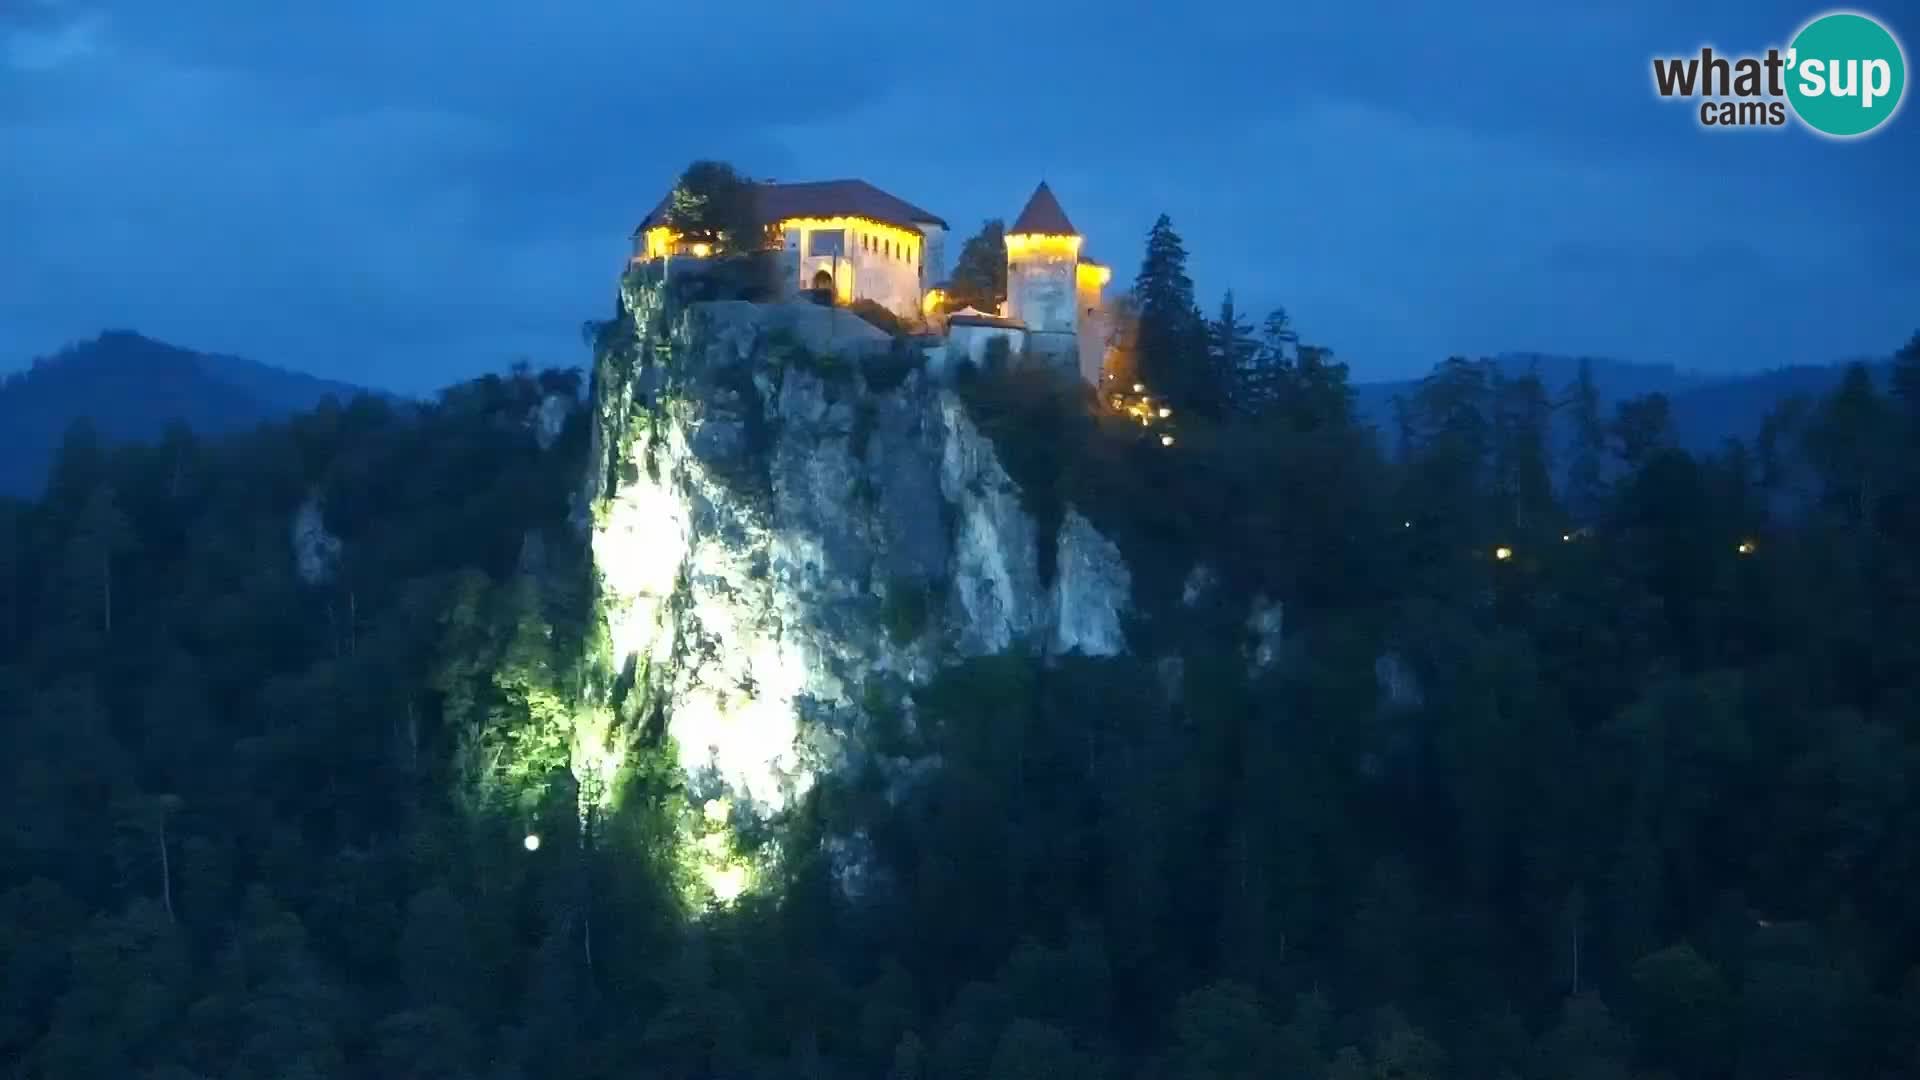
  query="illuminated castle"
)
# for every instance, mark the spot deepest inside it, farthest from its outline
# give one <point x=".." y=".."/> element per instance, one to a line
<point x="860" y="243"/>
<point x="846" y="236"/>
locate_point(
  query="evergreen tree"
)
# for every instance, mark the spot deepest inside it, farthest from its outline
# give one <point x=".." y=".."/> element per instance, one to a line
<point x="1232" y="349"/>
<point x="1641" y="426"/>
<point x="1264" y="379"/>
<point x="1173" y="334"/>
<point x="1523" y="474"/>
<point x="1318" y="395"/>
<point x="1587" y="451"/>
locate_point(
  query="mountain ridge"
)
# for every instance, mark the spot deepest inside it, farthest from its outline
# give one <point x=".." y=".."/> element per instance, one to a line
<point x="132" y="388"/>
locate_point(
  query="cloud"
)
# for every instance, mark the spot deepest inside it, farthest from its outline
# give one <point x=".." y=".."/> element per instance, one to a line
<point x="29" y="49"/>
<point x="407" y="191"/>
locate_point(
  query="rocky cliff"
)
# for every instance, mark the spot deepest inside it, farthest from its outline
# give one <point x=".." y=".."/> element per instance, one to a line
<point x="792" y="523"/>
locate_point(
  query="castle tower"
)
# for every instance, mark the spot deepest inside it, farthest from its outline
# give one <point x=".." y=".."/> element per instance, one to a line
<point x="1043" y="250"/>
<point x="1053" y="289"/>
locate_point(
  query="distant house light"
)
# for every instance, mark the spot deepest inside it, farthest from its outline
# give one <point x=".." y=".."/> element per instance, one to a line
<point x="1503" y="553"/>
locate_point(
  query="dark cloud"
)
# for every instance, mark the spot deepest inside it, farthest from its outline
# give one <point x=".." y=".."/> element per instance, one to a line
<point x="406" y="191"/>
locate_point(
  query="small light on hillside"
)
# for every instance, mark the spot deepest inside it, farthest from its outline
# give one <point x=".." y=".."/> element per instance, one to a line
<point x="1139" y="388"/>
<point x="1165" y="412"/>
<point x="1166" y="440"/>
<point x="1406" y="524"/>
<point x="532" y="842"/>
<point x="1566" y="538"/>
<point x="1503" y="553"/>
<point x="1747" y="547"/>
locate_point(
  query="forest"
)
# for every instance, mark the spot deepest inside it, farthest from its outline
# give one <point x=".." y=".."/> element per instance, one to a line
<point x="1585" y="758"/>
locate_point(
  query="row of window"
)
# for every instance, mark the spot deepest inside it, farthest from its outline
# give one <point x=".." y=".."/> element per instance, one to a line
<point x="885" y="246"/>
<point x="829" y="243"/>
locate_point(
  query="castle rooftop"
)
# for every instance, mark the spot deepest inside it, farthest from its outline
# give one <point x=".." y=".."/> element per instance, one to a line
<point x="1043" y="216"/>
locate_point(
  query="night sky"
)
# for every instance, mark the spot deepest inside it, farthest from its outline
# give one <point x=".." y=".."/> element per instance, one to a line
<point x="408" y="192"/>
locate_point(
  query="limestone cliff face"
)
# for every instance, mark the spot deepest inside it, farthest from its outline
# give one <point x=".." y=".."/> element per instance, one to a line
<point x="791" y="524"/>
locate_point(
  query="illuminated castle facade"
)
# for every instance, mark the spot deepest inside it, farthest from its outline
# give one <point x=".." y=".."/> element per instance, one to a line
<point x="861" y="243"/>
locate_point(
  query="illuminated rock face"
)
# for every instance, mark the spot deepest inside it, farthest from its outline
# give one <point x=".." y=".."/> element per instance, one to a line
<point x="316" y="552"/>
<point x="776" y="541"/>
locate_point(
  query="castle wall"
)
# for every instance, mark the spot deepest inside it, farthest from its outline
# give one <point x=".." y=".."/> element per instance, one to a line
<point x="933" y="264"/>
<point x="1090" y="279"/>
<point x="1040" y="289"/>
<point x="1094" y="331"/>
<point x="877" y="263"/>
<point x="1054" y="350"/>
<point x="969" y="343"/>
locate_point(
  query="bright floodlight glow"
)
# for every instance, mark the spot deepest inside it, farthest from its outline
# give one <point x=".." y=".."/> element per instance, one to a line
<point x="1139" y="388"/>
<point x="532" y="841"/>
<point x="1503" y="553"/>
<point x="1165" y="412"/>
<point x="727" y="882"/>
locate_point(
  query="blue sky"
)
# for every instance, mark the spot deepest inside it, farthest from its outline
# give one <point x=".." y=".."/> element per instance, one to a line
<point x="407" y="192"/>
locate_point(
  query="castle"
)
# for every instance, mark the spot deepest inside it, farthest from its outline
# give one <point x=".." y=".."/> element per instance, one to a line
<point x="853" y="241"/>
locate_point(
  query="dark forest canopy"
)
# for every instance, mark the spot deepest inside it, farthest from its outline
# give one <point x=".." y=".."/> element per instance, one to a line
<point x="1640" y="799"/>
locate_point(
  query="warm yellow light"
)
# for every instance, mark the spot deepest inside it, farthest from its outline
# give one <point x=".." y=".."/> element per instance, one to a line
<point x="932" y="301"/>
<point x="1166" y="440"/>
<point x="903" y="239"/>
<point x="1503" y="553"/>
<point x="702" y="250"/>
<point x="1093" y="276"/>
<point x="1042" y="245"/>
<point x="532" y="842"/>
<point x="659" y="242"/>
<point x="1165" y="412"/>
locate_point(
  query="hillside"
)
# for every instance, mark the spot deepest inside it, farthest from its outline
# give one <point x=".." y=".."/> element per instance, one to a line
<point x="799" y="709"/>
<point x="1707" y="409"/>
<point x="132" y="388"/>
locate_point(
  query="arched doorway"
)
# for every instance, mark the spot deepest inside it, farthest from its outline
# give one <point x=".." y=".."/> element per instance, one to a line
<point x="823" y="281"/>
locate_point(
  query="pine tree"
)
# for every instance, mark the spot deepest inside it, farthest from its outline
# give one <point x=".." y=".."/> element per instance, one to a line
<point x="1642" y="425"/>
<point x="1321" y="397"/>
<point x="1522" y="474"/>
<point x="1265" y="381"/>
<point x="1173" y="340"/>
<point x="1588" y="448"/>
<point x="1232" y="350"/>
<point x="100" y="536"/>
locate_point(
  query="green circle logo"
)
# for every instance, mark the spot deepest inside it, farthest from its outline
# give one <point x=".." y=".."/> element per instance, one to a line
<point x="1845" y="74"/>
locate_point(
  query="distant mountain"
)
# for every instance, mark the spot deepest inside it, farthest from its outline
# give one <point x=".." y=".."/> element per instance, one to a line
<point x="132" y="388"/>
<point x="1707" y="409"/>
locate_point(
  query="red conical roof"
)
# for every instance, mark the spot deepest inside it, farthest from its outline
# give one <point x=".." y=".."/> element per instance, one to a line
<point x="1043" y="216"/>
